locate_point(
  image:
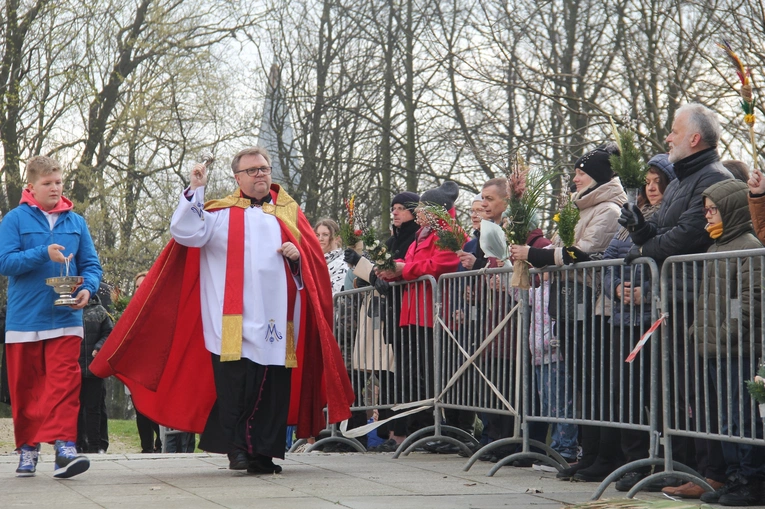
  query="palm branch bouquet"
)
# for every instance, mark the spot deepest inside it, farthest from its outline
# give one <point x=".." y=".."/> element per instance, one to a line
<point x="451" y="236"/>
<point x="628" y="165"/>
<point x="377" y="251"/>
<point x="747" y="101"/>
<point x="567" y="216"/>
<point x="349" y="233"/>
<point x="525" y="191"/>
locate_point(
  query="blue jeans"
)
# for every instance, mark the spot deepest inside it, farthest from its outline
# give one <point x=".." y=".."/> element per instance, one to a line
<point x="745" y="460"/>
<point x="553" y="404"/>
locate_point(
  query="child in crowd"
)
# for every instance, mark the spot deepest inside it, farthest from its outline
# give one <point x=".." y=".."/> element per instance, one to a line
<point x="732" y="286"/>
<point x="549" y="373"/>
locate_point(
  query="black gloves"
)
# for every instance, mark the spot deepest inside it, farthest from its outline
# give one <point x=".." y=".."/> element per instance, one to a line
<point x="380" y="284"/>
<point x="574" y="255"/>
<point x="633" y="253"/>
<point x="631" y="218"/>
<point x="351" y="257"/>
<point x="540" y="258"/>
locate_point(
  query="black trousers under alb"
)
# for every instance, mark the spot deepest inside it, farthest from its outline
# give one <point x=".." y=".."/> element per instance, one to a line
<point x="251" y="411"/>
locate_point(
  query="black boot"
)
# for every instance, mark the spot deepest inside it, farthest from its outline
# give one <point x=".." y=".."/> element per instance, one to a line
<point x="598" y="471"/>
<point x="567" y="473"/>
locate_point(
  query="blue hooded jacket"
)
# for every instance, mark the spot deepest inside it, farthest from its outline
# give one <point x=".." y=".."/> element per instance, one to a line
<point x="25" y="235"/>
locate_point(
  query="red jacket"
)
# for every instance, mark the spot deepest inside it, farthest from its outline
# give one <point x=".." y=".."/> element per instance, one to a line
<point x="422" y="259"/>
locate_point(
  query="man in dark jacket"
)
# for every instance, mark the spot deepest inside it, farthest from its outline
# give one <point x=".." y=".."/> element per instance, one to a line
<point x="403" y="234"/>
<point x="679" y="228"/>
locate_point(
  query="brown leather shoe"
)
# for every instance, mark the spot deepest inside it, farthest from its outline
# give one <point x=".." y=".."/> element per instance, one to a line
<point x="690" y="490"/>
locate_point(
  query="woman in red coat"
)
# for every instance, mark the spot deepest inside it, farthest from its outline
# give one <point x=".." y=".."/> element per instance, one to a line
<point x="414" y="349"/>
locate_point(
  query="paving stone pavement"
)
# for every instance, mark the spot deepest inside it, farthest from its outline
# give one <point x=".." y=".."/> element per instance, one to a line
<point x="309" y="480"/>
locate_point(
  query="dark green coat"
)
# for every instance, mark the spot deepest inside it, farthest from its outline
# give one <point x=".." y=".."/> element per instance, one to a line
<point x="716" y="325"/>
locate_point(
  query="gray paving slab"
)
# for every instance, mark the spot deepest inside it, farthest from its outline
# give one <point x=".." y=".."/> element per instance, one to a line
<point x="309" y="480"/>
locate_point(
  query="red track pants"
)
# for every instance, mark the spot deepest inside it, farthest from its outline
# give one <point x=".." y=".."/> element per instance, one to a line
<point x="44" y="382"/>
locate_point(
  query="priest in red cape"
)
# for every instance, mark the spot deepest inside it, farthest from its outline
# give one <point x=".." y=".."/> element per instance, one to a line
<point x="230" y="335"/>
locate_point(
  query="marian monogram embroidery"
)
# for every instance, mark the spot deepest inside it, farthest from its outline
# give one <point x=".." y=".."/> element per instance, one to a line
<point x="272" y="334"/>
<point x="198" y="209"/>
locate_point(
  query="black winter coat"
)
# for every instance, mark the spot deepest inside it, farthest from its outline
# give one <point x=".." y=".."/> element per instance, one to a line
<point x="398" y="243"/>
<point x="679" y="227"/>
<point x="98" y="324"/>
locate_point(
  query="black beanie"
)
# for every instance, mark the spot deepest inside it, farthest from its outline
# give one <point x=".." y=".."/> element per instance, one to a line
<point x="445" y="195"/>
<point x="595" y="163"/>
<point x="408" y="199"/>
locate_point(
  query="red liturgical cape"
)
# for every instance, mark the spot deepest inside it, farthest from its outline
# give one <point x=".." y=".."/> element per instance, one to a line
<point x="157" y="346"/>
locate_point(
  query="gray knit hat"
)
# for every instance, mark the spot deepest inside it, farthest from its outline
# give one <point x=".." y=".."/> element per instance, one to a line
<point x="445" y="195"/>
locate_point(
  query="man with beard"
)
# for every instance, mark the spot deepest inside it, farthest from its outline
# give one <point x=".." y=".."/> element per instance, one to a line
<point x="679" y="227"/>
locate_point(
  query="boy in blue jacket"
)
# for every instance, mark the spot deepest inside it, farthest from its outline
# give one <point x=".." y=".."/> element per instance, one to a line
<point x="43" y="341"/>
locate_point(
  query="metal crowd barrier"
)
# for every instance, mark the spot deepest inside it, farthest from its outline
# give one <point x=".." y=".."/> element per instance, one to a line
<point x="711" y="346"/>
<point x="494" y="349"/>
<point x="573" y="356"/>
<point x="388" y="366"/>
<point x="478" y="339"/>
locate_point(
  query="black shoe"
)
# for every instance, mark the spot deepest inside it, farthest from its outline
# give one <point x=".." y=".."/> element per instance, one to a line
<point x="732" y="485"/>
<point x="746" y="494"/>
<point x="473" y="448"/>
<point x="503" y="451"/>
<point x="523" y="463"/>
<point x="447" y="449"/>
<point x="237" y="460"/>
<point x="263" y="465"/>
<point x="338" y="447"/>
<point x="597" y="472"/>
<point x="629" y="480"/>
<point x="567" y="473"/>
<point x="431" y="447"/>
<point x="488" y="456"/>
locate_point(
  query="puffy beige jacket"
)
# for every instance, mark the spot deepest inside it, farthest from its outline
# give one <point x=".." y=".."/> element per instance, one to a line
<point x="599" y="212"/>
<point x="598" y="219"/>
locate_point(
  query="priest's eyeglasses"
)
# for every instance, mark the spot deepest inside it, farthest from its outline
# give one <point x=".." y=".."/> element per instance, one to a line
<point x="265" y="170"/>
